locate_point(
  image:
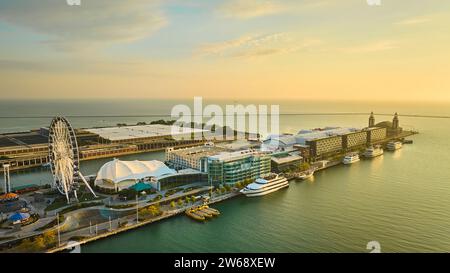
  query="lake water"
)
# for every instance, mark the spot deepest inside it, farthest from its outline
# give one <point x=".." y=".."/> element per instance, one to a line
<point x="400" y="199"/>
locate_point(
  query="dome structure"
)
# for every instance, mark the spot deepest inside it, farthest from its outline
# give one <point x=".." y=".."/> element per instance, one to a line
<point x="127" y="173"/>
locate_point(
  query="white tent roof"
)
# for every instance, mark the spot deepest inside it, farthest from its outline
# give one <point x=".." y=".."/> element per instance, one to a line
<point x="117" y="170"/>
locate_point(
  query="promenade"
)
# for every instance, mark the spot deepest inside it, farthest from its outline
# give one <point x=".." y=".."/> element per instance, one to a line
<point x="126" y="223"/>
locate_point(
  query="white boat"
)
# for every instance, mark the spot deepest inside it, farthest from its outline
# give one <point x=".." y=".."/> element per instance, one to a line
<point x="305" y="175"/>
<point x="265" y="185"/>
<point x="351" y="158"/>
<point x="394" y="145"/>
<point x="373" y="151"/>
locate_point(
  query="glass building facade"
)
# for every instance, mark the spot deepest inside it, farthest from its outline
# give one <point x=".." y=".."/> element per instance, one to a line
<point x="237" y="169"/>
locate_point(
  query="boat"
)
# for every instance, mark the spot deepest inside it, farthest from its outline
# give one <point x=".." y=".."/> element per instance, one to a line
<point x="194" y="215"/>
<point x="408" y="141"/>
<point x="373" y="151"/>
<point x="265" y="185"/>
<point x="305" y="175"/>
<point x="351" y="158"/>
<point x="211" y="211"/>
<point x="394" y="145"/>
<point x="203" y="213"/>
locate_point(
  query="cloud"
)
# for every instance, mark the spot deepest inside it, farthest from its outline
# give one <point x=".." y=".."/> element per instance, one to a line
<point x="245" y="9"/>
<point x="413" y="21"/>
<point x="256" y="46"/>
<point x="94" y="23"/>
<point x="372" y="47"/>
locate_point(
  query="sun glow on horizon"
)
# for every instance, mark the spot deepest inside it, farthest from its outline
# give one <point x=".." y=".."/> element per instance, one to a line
<point x="308" y="50"/>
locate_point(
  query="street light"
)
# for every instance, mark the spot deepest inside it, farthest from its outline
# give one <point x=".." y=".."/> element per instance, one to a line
<point x="59" y="234"/>
<point x="137" y="209"/>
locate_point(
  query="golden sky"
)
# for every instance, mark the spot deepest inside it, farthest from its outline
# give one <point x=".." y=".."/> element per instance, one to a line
<point x="321" y="49"/>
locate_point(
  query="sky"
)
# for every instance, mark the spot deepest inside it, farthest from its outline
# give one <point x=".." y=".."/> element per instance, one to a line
<point x="243" y="49"/>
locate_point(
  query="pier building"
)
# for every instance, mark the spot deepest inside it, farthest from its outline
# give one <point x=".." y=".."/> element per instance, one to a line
<point x="117" y="175"/>
<point x="30" y="149"/>
<point x="239" y="166"/>
<point x="322" y="143"/>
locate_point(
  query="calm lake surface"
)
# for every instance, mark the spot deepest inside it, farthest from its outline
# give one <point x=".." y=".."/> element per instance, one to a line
<point x="401" y="199"/>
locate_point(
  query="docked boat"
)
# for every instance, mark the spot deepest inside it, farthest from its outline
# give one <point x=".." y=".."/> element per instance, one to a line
<point x="373" y="151"/>
<point x="211" y="211"/>
<point x="394" y="145"/>
<point x="202" y="213"/>
<point x="305" y="175"/>
<point x="265" y="185"/>
<point x="351" y="158"/>
<point x="191" y="213"/>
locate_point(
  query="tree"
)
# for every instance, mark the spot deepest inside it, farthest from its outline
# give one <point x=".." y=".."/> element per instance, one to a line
<point x="304" y="166"/>
<point x="172" y="204"/>
<point x="129" y="194"/>
<point x="238" y="185"/>
<point x="188" y="200"/>
<point x="27" y="244"/>
<point x="153" y="210"/>
<point x="180" y="202"/>
<point x="49" y="238"/>
<point x="39" y="243"/>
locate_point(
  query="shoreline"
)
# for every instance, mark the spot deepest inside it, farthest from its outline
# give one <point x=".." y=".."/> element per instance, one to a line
<point x="141" y="223"/>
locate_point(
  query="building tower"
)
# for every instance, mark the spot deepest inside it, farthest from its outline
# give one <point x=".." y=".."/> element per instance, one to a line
<point x="371" y="120"/>
<point x="7" y="178"/>
<point x="395" y="122"/>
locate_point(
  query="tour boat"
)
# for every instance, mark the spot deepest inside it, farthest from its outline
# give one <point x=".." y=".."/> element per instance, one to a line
<point x="394" y="145"/>
<point x="350" y="158"/>
<point x="265" y="185"/>
<point x="305" y="175"/>
<point x="373" y="151"/>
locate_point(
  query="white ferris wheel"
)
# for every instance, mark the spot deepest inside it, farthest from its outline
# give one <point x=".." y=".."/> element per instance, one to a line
<point x="64" y="158"/>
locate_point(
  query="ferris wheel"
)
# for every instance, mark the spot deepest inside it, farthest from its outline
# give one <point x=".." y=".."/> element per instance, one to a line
<point x="64" y="158"/>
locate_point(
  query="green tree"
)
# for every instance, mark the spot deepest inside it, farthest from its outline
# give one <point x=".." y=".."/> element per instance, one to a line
<point x="172" y="204"/>
<point x="180" y="202"/>
<point x="39" y="243"/>
<point x="153" y="210"/>
<point x="27" y="245"/>
<point x="49" y="238"/>
<point x="304" y="166"/>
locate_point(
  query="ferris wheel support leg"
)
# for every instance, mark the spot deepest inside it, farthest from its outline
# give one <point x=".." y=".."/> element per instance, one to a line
<point x="87" y="184"/>
<point x="66" y="190"/>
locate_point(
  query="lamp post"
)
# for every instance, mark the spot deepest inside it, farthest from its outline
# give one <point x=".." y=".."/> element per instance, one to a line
<point x="137" y="209"/>
<point x="59" y="233"/>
